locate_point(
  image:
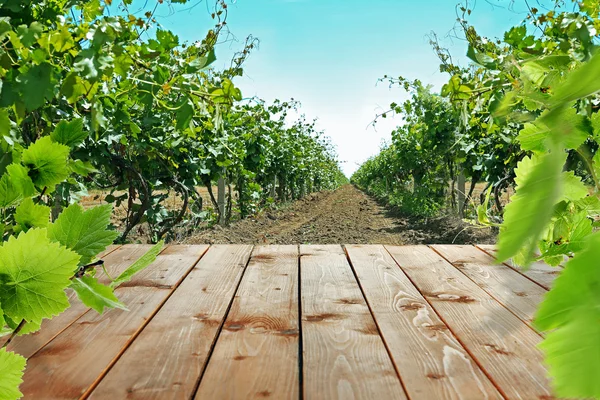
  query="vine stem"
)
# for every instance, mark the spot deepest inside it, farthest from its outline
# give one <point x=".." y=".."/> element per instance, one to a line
<point x="15" y="333"/>
<point x="82" y="270"/>
<point x="42" y="194"/>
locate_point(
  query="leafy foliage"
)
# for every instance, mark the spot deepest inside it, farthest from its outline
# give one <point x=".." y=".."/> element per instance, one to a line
<point x="139" y="265"/>
<point x="83" y="231"/>
<point x="11" y="371"/>
<point x="413" y="171"/>
<point x="148" y="119"/>
<point x="35" y="273"/>
<point x="95" y="295"/>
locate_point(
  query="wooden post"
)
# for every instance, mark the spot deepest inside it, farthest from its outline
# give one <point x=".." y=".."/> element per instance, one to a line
<point x="221" y="200"/>
<point x="461" y="193"/>
<point x="273" y="193"/>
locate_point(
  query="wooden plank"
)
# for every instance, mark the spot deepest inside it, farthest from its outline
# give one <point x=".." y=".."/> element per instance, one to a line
<point x="256" y="354"/>
<point x="115" y="262"/>
<point x="167" y="359"/>
<point x="71" y="363"/>
<point x="539" y="272"/>
<point x="343" y="355"/>
<point x="502" y="344"/>
<point x="429" y="359"/>
<point x="516" y="292"/>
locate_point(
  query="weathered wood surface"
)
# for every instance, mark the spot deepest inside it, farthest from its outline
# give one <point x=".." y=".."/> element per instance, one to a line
<point x="431" y="362"/>
<point x="168" y="357"/>
<point x="257" y="352"/>
<point x="503" y="345"/>
<point x="287" y="322"/>
<point x="343" y="355"/>
<point x="515" y="291"/>
<point x="542" y="274"/>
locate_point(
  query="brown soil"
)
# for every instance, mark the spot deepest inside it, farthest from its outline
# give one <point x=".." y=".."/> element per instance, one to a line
<point x="346" y="215"/>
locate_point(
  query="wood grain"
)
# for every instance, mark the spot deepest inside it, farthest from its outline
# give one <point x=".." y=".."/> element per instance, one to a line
<point x="167" y="359"/>
<point x="431" y="362"/>
<point x="69" y="365"/>
<point x="256" y="355"/>
<point x="115" y="261"/>
<point x="343" y="355"/>
<point x="539" y="272"/>
<point x="516" y="292"/>
<point x="502" y="344"/>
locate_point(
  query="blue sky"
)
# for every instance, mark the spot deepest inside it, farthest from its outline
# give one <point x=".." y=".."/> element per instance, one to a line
<point x="329" y="54"/>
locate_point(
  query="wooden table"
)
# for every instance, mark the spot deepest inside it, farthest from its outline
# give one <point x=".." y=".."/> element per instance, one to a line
<point x="288" y="322"/>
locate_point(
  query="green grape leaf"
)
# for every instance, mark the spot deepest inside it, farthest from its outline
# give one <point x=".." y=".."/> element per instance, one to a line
<point x="47" y="162"/>
<point x="36" y="86"/>
<point x="95" y="295"/>
<point x="590" y="204"/>
<point x="30" y="327"/>
<point x="3" y="330"/>
<point x="200" y="63"/>
<point x="83" y="168"/>
<point x="573" y="355"/>
<point x="61" y="39"/>
<point x="12" y="367"/>
<point x="524" y="168"/>
<point x="582" y="229"/>
<point x="29" y="215"/>
<point x="72" y="88"/>
<point x="26" y="329"/>
<point x="29" y="35"/>
<point x="575" y="129"/>
<point x="5" y="123"/>
<point x="573" y="188"/>
<point x="19" y="175"/>
<point x="530" y="210"/>
<point x="572" y="232"/>
<point x="580" y="83"/>
<point x="577" y="286"/>
<point x="9" y="193"/>
<point x="69" y="133"/>
<point x="184" y="115"/>
<point x="142" y="262"/>
<point x="83" y="231"/>
<point x="553" y="261"/>
<point x="595" y="120"/>
<point x="34" y="274"/>
<point x="481" y="58"/>
<point x="535" y="72"/>
<point x="532" y="137"/>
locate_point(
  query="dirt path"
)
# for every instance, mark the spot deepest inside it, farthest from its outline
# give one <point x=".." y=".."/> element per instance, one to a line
<point x="346" y="215"/>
